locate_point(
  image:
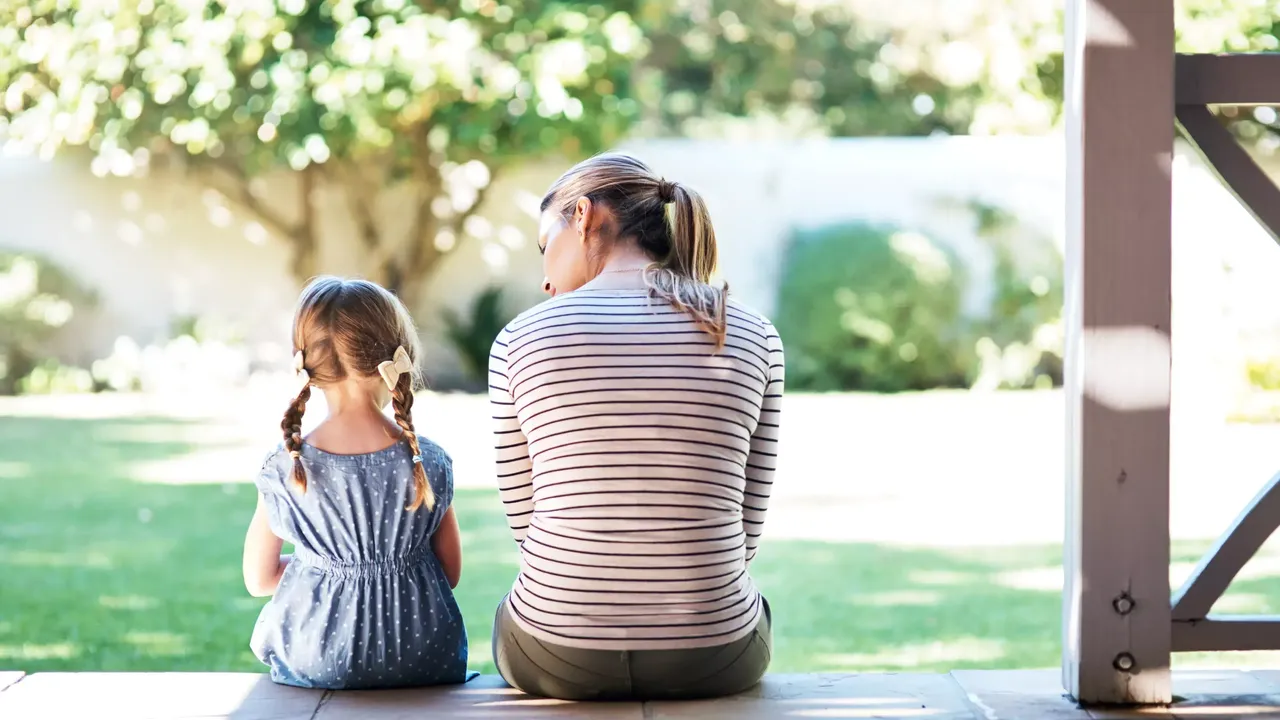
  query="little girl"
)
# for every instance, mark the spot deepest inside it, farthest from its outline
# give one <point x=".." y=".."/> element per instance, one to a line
<point x="365" y="600"/>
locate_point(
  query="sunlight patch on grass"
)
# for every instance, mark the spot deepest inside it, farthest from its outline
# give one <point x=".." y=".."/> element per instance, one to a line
<point x="36" y="558"/>
<point x="248" y="603"/>
<point x="967" y="650"/>
<point x="1044" y="578"/>
<point x="163" y="644"/>
<point x="202" y="467"/>
<point x="1179" y="572"/>
<point x="36" y="651"/>
<point x="1261" y="566"/>
<point x="127" y="602"/>
<point x="939" y="577"/>
<point x="152" y="432"/>
<point x="898" y="598"/>
<point x="1213" y="660"/>
<point x="1242" y="604"/>
<point x="479" y="650"/>
<point x="14" y="470"/>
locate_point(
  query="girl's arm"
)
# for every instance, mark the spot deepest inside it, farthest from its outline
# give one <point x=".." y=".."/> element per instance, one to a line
<point x="447" y="544"/>
<point x="263" y="564"/>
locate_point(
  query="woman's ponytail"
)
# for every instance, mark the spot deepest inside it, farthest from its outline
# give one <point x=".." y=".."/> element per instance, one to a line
<point x="682" y="278"/>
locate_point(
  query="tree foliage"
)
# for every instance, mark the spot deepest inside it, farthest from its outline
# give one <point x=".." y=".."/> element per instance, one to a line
<point x="440" y="96"/>
<point x="816" y="68"/>
<point x="362" y="94"/>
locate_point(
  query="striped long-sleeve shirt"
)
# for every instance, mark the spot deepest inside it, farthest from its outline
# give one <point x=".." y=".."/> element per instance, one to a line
<point x="635" y="463"/>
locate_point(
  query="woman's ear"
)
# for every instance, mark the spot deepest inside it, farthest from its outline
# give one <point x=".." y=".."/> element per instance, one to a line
<point x="583" y="215"/>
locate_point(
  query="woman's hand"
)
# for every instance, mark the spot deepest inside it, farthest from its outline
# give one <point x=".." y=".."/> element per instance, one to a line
<point x="263" y="564"/>
<point x="447" y="545"/>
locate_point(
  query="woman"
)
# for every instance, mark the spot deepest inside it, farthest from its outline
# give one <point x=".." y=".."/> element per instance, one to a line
<point x="637" y="431"/>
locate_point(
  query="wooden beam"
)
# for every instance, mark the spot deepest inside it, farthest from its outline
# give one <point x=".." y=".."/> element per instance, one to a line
<point x="1235" y="548"/>
<point x="1228" y="79"/>
<point x="1237" y="171"/>
<point x="1241" y="632"/>
<point x="1120" y="125"/>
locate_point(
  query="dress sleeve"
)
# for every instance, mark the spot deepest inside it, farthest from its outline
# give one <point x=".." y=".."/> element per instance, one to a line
<point x="441" y="476"/>
<point x="274" y="488"/>
<point x="762" y="463"/>
<point x="514" y="467"/>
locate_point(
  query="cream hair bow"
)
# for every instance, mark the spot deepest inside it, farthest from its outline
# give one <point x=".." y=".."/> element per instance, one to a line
<point x="392" y="369"/>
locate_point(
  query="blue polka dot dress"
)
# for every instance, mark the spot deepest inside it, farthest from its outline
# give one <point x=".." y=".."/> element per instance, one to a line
<point x="364" y="603"/>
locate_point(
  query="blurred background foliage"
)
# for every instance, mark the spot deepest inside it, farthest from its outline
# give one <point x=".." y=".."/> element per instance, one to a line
<point x="37" y="300"/>
<point x="434" y="100"/>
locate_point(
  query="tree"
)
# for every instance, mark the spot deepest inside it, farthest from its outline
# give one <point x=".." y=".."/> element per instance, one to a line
<point x="361" y="94"/>
<point x="435" y="97"/>
<point x="815" y="68"/>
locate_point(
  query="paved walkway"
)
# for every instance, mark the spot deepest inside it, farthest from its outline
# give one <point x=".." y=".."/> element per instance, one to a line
<point x="962" y="695"/>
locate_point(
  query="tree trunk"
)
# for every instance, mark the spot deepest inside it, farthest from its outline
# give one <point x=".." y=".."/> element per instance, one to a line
<point x="409" y="281"/>
<point x="305" y="259"/>
<point x="402" y="270"/>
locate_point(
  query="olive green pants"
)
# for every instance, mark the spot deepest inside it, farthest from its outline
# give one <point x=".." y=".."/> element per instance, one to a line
<point x="540" y="668"/>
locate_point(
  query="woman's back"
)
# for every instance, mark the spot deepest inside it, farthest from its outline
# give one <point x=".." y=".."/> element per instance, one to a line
<point x="364" y="602"/>
<point x="635" y="461"/>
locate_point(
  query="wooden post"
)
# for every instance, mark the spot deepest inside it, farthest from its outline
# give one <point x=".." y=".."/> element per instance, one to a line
<point x="1120" y="125"/>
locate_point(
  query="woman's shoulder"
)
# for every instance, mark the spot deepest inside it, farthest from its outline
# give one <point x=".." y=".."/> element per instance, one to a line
<point x="547" y="310"/>
<point x="750" y="316"/>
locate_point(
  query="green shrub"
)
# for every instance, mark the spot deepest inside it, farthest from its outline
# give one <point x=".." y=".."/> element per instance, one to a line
<point x="871" y="308"/>
<point x="1020" y="336"/>
<point x="52" y="378"/>
<point x="879" y="309"/>
<point x="37" y="299"/>
<point x="472" y="337"/>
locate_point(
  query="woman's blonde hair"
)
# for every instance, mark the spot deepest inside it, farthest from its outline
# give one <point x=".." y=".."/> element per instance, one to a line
<point x="667" y="220"/>
<point x="347" y="328"/>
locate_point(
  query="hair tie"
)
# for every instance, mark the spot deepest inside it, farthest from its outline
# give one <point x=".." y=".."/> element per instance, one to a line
<point x="295" y="454"/>
<point x="417" y="459"/>
<point x="300" y="371"/>
<point x="392" y="369"/>
<point x="666" y="191"/>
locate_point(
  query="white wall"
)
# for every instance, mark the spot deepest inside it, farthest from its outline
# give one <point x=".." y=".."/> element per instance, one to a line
<point x="153" y="248"/>
<point x="160" y="247"/>
<point x="760" y="192"/>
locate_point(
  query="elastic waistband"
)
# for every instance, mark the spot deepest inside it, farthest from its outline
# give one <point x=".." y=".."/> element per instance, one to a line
<point x="387" y="566"/>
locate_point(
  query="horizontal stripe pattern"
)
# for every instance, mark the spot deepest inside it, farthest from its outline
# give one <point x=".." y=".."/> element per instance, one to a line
<point x="635" y="463"/>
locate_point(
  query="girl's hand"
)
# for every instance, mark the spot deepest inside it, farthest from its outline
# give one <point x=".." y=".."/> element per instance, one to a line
<point x="447" y="544"/>
<point x="263" y="564"/>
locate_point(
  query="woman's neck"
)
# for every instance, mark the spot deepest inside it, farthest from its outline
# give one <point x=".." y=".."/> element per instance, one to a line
<point x="622" y="270"/>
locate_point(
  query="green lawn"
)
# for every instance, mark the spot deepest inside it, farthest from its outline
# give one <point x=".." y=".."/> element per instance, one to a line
<point x="99" y="571"/>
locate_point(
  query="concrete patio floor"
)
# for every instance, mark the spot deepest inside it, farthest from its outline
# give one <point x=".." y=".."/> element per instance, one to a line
<point x="967" y="695"/>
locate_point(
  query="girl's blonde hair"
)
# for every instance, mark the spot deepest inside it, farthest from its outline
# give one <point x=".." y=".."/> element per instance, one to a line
<point x="667" y="220"/>
<point x="347" y="328"/>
